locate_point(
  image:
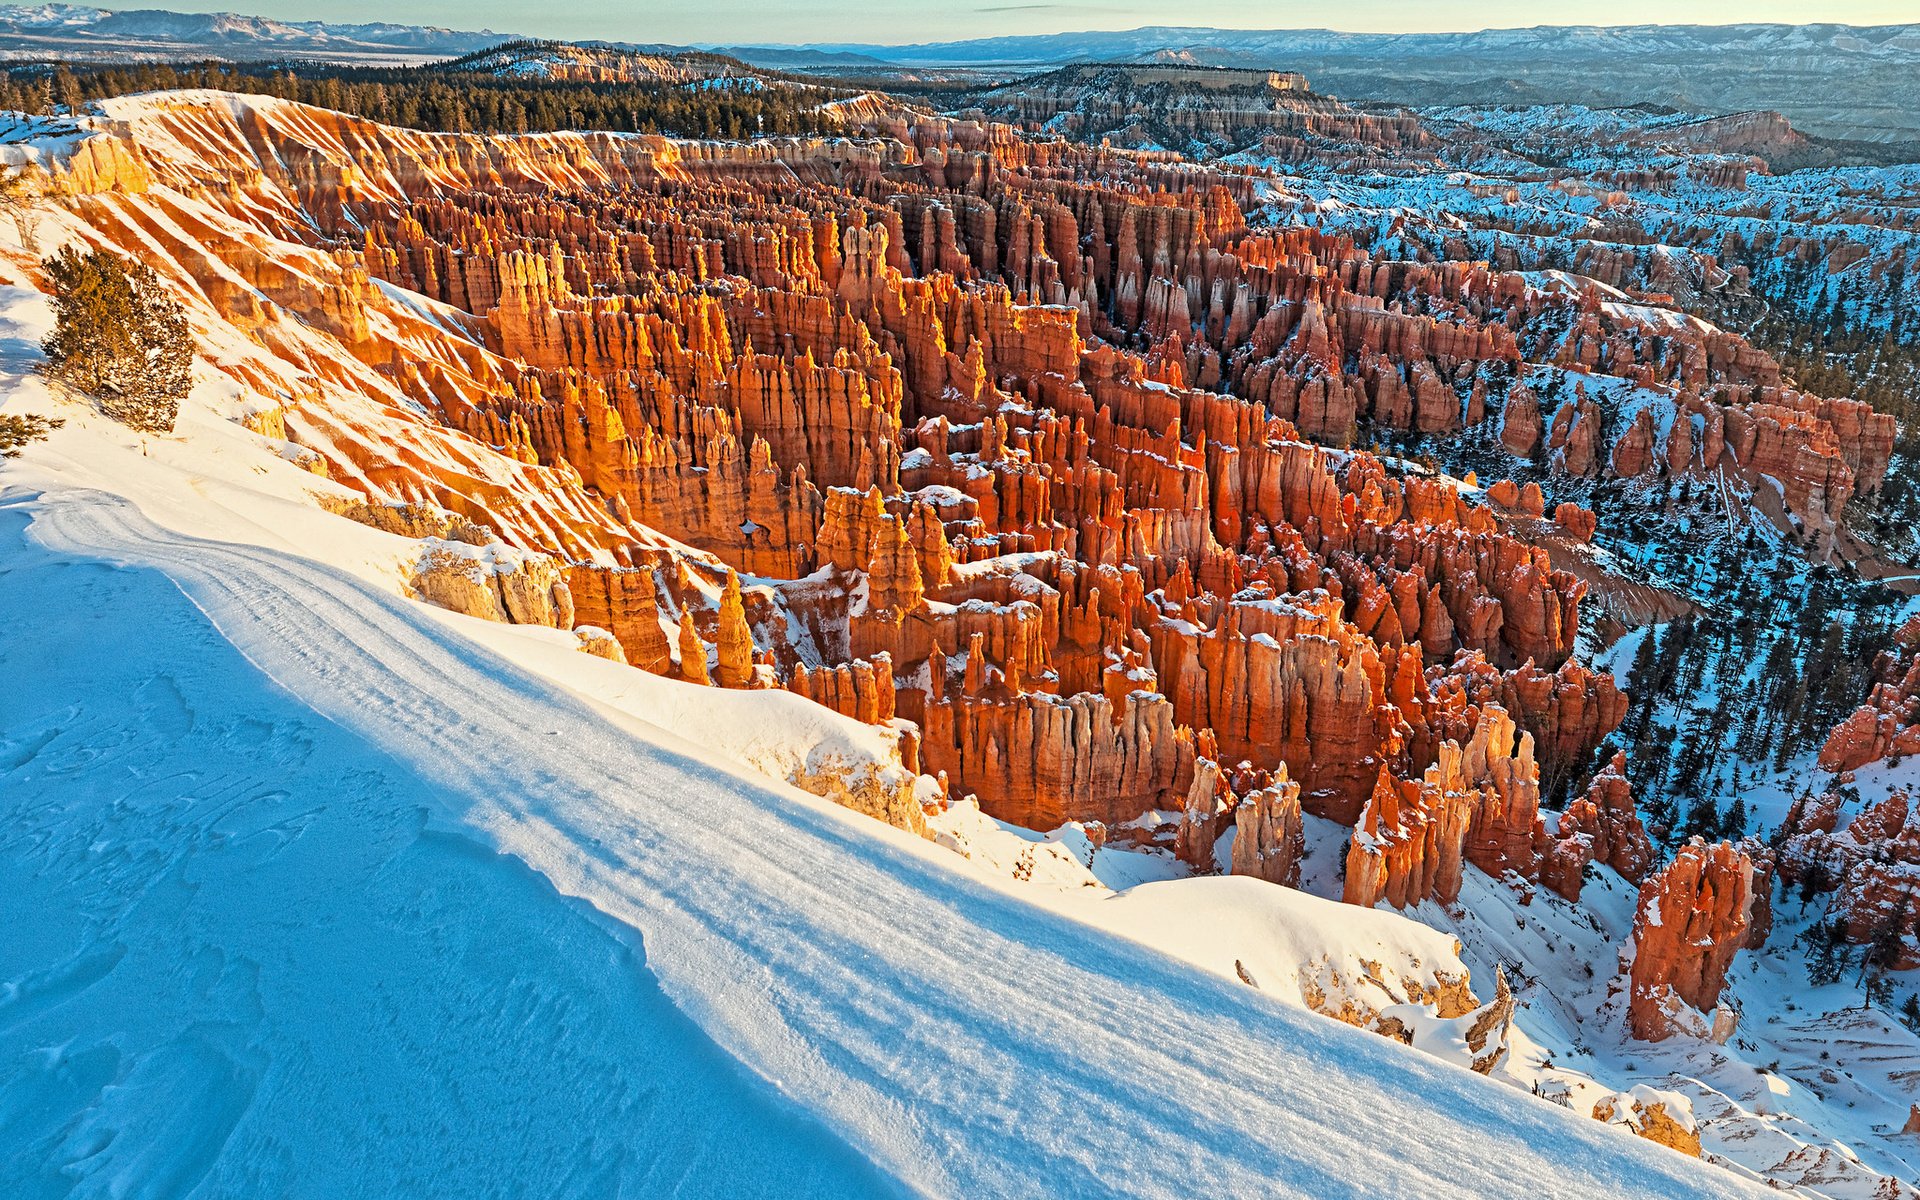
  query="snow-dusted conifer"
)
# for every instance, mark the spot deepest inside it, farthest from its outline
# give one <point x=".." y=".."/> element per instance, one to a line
<point x="118" y="337"/>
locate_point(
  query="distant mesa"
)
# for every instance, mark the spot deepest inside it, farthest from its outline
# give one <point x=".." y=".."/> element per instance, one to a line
<point x="1211" y="78"/>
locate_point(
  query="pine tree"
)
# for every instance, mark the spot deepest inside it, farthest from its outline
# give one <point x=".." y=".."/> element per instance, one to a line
<point x="1733" y="825"/>
<point x="1877" y="989"/>
<point x="1828" y="955"/>
<point x="1887" y="941"/>
<point x="118" y="337"/>
<point x="16" y="432"/>
<point x="1703" y="817"/>
<point x="1823" y="966"/>
<point x="16" y="194"/>
<point x="1814" y="880"/>
<point x="1910" y="1012"/>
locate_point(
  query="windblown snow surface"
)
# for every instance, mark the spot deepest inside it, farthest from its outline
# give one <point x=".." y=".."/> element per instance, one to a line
<point x="307" y="895"/>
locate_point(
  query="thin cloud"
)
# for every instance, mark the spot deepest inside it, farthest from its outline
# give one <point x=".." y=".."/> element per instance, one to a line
<point x="1079" y="8"/>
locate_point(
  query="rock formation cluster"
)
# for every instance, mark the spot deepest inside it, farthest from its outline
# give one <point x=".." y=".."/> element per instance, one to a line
<point x="1887" y="725"/>
<point x="1039" y="453"/>
<point x="1869" y="858"/>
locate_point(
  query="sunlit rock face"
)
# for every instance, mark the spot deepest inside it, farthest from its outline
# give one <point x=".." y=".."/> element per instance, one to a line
<point x="1040" y="449"/>
<point x="1695" y="914"/>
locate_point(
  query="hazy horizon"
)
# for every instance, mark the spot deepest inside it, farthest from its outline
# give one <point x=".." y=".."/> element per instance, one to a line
<point x="906" y="22"/>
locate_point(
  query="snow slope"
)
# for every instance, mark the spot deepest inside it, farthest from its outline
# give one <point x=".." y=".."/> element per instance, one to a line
<point x="239" y="962"/>
<point x="296" y="924"/>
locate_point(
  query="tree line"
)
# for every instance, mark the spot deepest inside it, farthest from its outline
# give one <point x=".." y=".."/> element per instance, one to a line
<point x="445" y="98"/>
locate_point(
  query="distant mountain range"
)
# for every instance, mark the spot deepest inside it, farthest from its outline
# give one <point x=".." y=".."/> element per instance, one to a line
<point x="79" y="32"/>
<point x="1238" y="47"/>
<point x="1836" y="80"/>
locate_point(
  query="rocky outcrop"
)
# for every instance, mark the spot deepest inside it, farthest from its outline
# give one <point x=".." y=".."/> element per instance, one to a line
<point x="1041" y="761"/>
<point x="1218" y="110"/>
<point x="493" y="582"/>
<point x="1662" y="1117"/>
<point x="599" y="643"/>
<point x="1578" y="524"/>
<point x="733" y="644"/>
<point x="1520" y="430"/>
<point x="1410" y="841"/>
<point x="693" y="652"/>
<point x="1479" y="1040"/>
<point x="1694" y="915"/>
<point x="1606" y="829"/>
<point x="1868" y="859"/>
<point x="1490" y="1028"/>
<point x="463" y="566"/>
<point x="410" y="520"/>
<point x="625" y="602"/>
<point x="1478" y="803"/>
<point x="859" y="689"/>
<point x="868" y="789"/>
<point x="1269" y="838"/>
<point x="1888" y="724"/>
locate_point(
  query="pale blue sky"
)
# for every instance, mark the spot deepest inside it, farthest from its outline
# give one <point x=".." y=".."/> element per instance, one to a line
<point x="896" y="21"/>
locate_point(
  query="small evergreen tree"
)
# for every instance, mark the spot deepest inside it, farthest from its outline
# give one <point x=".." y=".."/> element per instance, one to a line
<point x="1887" y="940"/>
<point x="1733" y="826"/>
<point x="1816" y="878"/>
<point x="1703" y="818"/>
<point x="1910" y="1012"/>
<point x="16" y="195"/>
<point x="16" y="432"/>
<point x="1828" y="956"/>
<point x="1877" y="989"/>
<point x="118" y="337"/>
